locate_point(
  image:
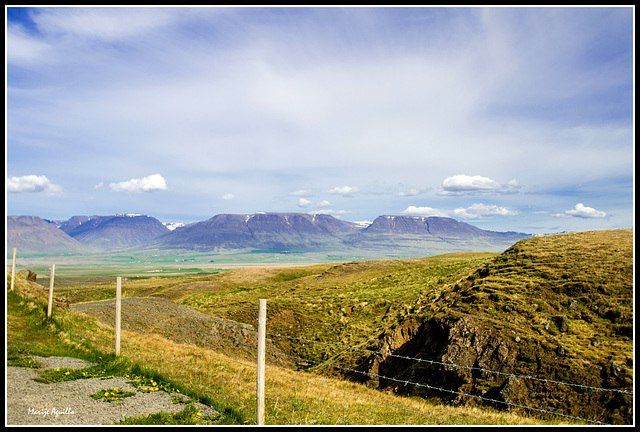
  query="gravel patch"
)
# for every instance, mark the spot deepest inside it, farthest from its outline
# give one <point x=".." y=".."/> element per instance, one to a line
<point x="69" y="402"/>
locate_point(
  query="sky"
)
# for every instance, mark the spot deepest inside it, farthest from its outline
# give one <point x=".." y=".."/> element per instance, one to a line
<point x="506" y="118"/>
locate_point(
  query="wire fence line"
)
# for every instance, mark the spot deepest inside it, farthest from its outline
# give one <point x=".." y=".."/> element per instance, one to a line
<point x="80" y="290"/>
<point x="380" y="353"/>
<point x="434" y="362"/>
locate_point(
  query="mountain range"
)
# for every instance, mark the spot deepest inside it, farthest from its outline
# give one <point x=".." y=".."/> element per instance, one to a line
<point x="277" y="232"/>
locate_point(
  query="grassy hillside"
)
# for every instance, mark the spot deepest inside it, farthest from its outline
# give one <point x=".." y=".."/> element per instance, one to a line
<point x="224" y="382"/>
<point x="561" y="307"/>
<point x="586" y="277"/>
<point x="555" y="307"/>
<point x="352" y="304"/>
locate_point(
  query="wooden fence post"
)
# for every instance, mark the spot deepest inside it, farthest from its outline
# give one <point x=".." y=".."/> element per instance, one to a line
<point x="118" y="312"/>
<point x="50" y="306"/>
<point x="262" y="326"/>
<point x="13" y="269"/>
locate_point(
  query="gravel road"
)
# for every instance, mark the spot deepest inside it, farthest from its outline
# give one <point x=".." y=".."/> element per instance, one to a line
<point x="69" y="402"/>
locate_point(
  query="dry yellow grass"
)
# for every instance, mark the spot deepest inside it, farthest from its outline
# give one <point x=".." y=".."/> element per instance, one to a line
<point x="294" y="397"/>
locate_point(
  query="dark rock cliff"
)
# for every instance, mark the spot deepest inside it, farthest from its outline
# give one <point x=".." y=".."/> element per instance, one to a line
<point x="462" y="361"/>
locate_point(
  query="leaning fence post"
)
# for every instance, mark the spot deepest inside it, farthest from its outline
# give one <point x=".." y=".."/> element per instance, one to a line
<point x="262" y="325"/>
<point x="50" y="306"/>
<point x="13" y="269"/>
<point x="118" y="312"/>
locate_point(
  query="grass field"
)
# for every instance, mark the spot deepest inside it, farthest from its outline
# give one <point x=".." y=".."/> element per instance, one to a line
<point x="217" y="379"/>
<point x="587" y="277"/>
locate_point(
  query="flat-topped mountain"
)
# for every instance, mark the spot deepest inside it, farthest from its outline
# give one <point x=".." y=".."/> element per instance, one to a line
<point x="432" y="225"/>
<point x="436" y="234"/>
<point x="266" y="231"/>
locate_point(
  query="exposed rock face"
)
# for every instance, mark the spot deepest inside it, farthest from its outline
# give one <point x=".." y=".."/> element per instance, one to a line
<point x="398" y="341"/>
<point x="458" y="350"/>
<point x="561" y="322"/>
<point x="29" y="275"/>
<point x="466" y="362"/>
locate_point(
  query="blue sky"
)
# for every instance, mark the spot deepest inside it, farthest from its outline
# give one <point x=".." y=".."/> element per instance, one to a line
<point x="505" y="118"/>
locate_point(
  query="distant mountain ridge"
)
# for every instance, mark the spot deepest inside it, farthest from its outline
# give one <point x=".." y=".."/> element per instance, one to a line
<point x="301" y="232"/>
<point x="281" y="232"/>
<point x="114" y="232"/>
<point x="268" y="231"/>
<point x="438" y="234"/>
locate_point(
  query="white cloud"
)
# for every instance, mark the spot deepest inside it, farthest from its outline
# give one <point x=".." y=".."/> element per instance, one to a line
<point x="324" y="203"/>
<point x="302" y="193"/>
<point x="411" y="192"/>
<point x="98" y="186"/>
<point x="344" y="190"/>
<point x="151" y="183"/>
<point x="228" y="196"/>
<point x="483" y="210"/>
<point x="584" y="212"/>
<point x="424" y="211"/>
<point x="31" y="183"/>
<point x="303" y="202"/>
<point x="476" y="185"/>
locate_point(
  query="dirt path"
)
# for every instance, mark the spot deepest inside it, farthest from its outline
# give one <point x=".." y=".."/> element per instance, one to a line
<point x="69" y="402"/>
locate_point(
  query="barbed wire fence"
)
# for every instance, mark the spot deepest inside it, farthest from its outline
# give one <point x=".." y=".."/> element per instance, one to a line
<point x="217" y="357"/>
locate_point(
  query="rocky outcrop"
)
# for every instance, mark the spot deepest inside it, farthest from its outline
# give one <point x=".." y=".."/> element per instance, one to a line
<point x="463" y="361"/>
<point x="25" y="284"/>
<point x="455" y="353"/>
<point x="398" y="341"/>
